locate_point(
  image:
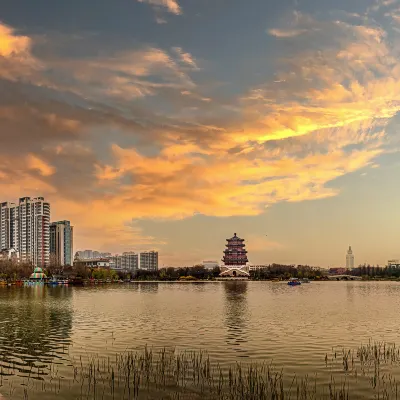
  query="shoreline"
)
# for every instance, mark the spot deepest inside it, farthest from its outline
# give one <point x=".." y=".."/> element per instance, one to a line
<point x="265" y="280"/>
<point x="197" y="281"/>
<point x="183" y="282"/>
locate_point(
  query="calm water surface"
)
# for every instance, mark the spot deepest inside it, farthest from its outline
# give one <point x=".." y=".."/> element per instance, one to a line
<point x="234" y="321"/>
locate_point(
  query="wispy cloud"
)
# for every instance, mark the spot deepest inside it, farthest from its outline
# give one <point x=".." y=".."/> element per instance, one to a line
<point x="286" y="33"/>
<point x="341" y="81"/>
<point x="186" y="58"/>
<point x="293" y="25"/>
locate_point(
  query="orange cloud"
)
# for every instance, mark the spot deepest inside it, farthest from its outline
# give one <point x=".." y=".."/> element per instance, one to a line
<point x="221" y="185"/>
<point x="171" y="6"/>
<point x="35" y="163"/>
<point x="12" y="45"/>
<point x="16" y="59"/>
<point x="355" y="79"/>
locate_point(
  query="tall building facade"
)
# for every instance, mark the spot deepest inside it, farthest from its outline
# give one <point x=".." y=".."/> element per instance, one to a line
<point x="149" y="260"/>
<point x="350" y="259"/>
<point x="8" y="226"/>
<point x="128" y="261"/>
<point x="61" y="243"/>
<point x="25" y="227"/>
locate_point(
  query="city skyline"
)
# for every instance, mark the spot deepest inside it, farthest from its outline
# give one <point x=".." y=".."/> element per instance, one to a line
<point x="169" y="125"/>
<point x="60" y="238"/>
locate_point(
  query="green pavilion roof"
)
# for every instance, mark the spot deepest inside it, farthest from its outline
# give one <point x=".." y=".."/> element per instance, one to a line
<point x="38" y="274"/>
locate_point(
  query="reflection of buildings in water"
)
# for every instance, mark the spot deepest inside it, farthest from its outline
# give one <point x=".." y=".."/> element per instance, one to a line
<point x="149" y="287"/>
<point x="236" y="312"/>
<point x="35" y="327"/>
<point x="350" y="290"/>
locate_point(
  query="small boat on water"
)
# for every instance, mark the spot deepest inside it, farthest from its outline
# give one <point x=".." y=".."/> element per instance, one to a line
<point x="305" y="280"/>
<point x="294" y="282"/>
<point x="53" y="281"/>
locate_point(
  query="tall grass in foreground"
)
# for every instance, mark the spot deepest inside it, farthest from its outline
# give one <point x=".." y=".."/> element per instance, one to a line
<point x="191" y="375"/>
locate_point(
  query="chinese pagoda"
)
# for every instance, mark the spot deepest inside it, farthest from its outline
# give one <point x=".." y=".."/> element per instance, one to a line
<point x="235" y="259"/>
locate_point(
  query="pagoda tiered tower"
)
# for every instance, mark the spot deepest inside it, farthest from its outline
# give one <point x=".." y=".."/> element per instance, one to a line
<point x="235" y="258"/>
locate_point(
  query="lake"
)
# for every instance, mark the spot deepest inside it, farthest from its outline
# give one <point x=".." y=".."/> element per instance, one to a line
<point x="43" y="328"/>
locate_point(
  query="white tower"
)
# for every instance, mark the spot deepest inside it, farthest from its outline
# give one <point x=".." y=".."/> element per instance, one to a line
<point x="349" y="259"/>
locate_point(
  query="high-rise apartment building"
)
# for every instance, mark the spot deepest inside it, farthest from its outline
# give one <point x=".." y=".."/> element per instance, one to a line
<point x="8" y="226"/>
<point x="26" y="229"/>
<point x="149" y="260"/>
<point x="61" y="243"/>
<point x="350" y="259"/>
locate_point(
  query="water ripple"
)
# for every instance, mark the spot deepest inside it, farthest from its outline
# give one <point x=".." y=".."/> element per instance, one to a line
<point x="246" y="321"/>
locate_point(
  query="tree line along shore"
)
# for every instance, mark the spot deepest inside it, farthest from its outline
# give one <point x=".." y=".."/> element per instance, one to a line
<point x="10" y="272"/>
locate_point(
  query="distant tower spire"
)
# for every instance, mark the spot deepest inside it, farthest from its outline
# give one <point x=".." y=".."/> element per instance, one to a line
<point x="350" y="259"/>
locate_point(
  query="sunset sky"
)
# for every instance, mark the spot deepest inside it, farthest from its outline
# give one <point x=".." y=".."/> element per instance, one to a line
<point x="172" y="124"/>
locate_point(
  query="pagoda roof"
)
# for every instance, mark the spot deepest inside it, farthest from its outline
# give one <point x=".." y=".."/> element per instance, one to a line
<point x="234" y="237"/>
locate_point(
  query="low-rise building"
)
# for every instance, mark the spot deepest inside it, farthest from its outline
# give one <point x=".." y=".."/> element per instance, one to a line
<point x="94" y="263"/>
<point x="257" y="267"/>
<point x="394" y="264"/>
<point x="337" y="271"/>
<point x="9" y="255"/>
<point x="89" y="254"/>
<point x="210" y="264"/>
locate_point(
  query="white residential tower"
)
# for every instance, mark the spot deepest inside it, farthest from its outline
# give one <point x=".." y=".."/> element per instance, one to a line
<point x="350" y="259"/>
<point x="25" y="227"/>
